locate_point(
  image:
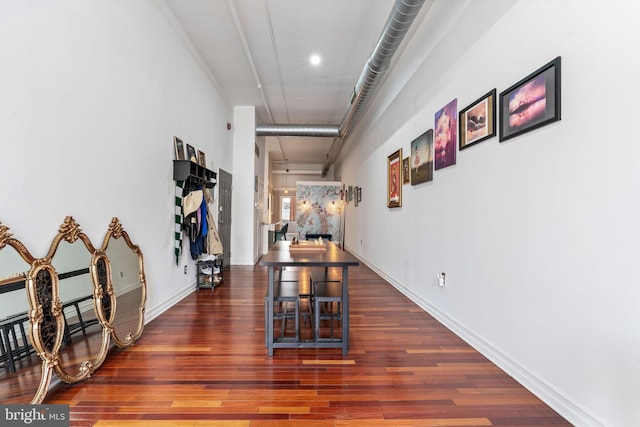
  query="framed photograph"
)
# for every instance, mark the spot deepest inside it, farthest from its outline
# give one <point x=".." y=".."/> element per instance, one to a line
<point x="406" y="177"/>
<point x="191" y="153"/>
<point x="355" y="196"/>
<point x="531" y="103"/>
<point x="445" y="135"/>
<point x="350" y="193"/>
<point x="477" y="122"/>
<point x="359" y="195"/>
<point x="422" y="158"/>
<point x="394" y="179"/>
<point x="202" y="159"/>
<point x="178" y="146"/>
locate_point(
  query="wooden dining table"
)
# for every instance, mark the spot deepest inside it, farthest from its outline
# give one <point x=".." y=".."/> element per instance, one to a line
<point x="279" y="256"/>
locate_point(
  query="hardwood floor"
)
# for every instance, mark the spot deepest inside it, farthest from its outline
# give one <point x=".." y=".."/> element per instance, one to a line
<point x="204" y="363"/>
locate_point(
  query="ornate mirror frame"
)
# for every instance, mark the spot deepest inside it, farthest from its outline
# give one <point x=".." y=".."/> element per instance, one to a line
<point x="128" y="337"/>
<point x="49" y="341"/>
<point x="46" y="320"/>
<point x="71" y="233"/>
<point x="43" y="312"/>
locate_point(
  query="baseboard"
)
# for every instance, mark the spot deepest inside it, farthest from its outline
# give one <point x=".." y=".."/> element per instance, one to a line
<point x="549" y="395"/>
<point x="151" y="313"/>
<point x="235" y="261"/>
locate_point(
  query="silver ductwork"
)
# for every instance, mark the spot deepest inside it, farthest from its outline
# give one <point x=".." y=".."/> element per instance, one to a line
<point x="398" y="23"/>
<point x="298" y="130"/>
<point x="396" y="27"/>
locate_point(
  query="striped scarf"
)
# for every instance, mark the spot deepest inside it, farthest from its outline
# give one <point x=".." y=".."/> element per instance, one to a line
<point x="178" y="220"/>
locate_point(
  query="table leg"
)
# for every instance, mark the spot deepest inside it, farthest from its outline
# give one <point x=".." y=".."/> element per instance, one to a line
<point x="269" y="313"/>
<point x="345" y="310"/>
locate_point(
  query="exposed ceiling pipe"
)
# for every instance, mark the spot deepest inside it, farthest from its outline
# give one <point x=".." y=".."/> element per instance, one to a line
<point x="396" y="27"/>
<point x="298" y="130"/>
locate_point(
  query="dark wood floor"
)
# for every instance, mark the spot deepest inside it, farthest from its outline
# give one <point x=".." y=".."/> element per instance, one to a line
<point x="204" y="363"/>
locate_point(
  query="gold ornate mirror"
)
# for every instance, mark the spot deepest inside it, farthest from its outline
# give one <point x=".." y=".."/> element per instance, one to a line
<point x="24" y="377"/>
<point x="127" y="285"/>
<point x="85" y="342"/>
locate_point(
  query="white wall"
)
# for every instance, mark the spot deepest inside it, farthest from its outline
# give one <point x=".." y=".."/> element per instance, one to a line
<point x="92" y="96"/>
<point x="539" y="236"/>
<point x="243" y="233"/>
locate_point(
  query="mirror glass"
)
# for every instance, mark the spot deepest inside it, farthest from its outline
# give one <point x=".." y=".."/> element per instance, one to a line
<point x="20" y="366"/>
<point x="129" y="287"/>
<point x="85" y="341"/>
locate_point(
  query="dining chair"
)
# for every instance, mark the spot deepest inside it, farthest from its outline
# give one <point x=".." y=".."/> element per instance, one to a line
<point x="282" y="233"/>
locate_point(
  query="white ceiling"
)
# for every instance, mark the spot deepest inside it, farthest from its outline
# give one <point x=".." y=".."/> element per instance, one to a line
<point x="247" y="43"/>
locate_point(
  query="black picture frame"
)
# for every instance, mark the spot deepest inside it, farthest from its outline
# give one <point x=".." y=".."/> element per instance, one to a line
<point x="531" y="103"/>
<point x="477" y="121"/>
<point x="191" y="153"/>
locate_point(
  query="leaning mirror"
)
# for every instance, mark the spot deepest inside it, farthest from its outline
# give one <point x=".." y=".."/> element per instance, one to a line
<point x="24" y="378"/>
<point x="85" y="342"/>
<point x="129" y="291"/>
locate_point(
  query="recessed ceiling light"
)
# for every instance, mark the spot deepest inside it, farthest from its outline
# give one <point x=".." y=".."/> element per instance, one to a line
<point x="315" y="59"/>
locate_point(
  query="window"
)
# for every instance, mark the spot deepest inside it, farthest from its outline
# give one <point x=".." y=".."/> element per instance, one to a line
<point x="285" y="209"/>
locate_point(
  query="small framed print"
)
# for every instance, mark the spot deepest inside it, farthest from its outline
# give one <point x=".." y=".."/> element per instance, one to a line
<point x="477" y="122"/>
<point x="422" y="158"/>
<point x="202" y="159"/>
<point x="394" y="179"/>
<point x="191" y="153"/>
<point x="531" y="103"/>
<point x="406" y="177"/>
<point x="178" y="146"/>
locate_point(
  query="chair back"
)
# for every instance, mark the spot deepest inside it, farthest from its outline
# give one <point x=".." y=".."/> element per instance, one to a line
<point x="282" y="233"/>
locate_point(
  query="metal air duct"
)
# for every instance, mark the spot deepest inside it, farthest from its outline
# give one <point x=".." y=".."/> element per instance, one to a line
<point x="396" y="27"/>
<point x="298" y="130"/>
